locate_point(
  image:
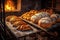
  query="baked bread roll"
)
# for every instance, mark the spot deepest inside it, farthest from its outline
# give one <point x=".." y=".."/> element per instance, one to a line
<point x="24" y="28"/>
<point x="12" y="19"/>
<point x="50" y="11"/>
<point x="17" y="23"/>
<point x="9" y="17"/>
<point x="43" y="14"/>
<point x="33" y="11"/>
<point x="58" y="19"/>
<point x="35" y="18"/>
<point x="28" y="15"/>
<point x="55" y="17"/>
<point x="45" y="22"/>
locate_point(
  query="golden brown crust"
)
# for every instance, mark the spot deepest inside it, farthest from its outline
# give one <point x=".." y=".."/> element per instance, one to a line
<point x="21" y="25"/>
<point x="8" y="18"/>
<point x="50" y="11"/>
<point x="55" y="17"/>
<point x="28" y="15"/>
<point x="45" y="23"/>
<point x="17" y="23"/>
<point x="24" y="28"/>
<point x="58" y="20"/>
<point x="12" y="19"/>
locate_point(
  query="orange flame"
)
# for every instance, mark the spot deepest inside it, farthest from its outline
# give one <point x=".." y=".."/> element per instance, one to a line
<point x="9" y="5"/>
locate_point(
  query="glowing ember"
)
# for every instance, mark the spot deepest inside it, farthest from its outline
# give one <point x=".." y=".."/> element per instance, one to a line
<point x="9" y="5"/>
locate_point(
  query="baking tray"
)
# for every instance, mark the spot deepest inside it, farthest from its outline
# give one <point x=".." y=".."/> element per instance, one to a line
<point x="39" y="27"/>
<point x="45" y="30"/>
<point x="34" y="25"/>
<point x="20" y="33"/>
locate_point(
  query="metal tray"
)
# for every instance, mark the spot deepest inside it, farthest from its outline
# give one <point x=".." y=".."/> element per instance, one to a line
<point x="20" y="33"/>
<point x="37" y="26"/>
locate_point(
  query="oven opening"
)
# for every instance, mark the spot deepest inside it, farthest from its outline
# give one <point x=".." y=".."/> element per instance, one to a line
<point x="12" y="5"/>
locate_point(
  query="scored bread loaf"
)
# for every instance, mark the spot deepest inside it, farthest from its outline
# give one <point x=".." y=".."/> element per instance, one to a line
<point x="45" y="22"/>
<point x="55" y="17"/>
<point x="12" y="18"/>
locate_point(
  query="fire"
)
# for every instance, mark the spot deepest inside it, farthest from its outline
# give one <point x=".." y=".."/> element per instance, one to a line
<point x="9" y="5"/>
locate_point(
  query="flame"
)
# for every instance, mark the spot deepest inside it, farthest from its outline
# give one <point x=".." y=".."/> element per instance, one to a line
<point x="9" y="5"/>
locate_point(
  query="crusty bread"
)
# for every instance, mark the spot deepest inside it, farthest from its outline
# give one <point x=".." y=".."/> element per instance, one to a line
<point x="55" y="17"/>
<point x="35" y="18"/>
<point x="12" y="18"/>
<point x="45" y="22"/>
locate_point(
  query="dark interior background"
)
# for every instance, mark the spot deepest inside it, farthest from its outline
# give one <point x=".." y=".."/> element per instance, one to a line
<point x="0" y="10"/>
<point x="27" y="5"/>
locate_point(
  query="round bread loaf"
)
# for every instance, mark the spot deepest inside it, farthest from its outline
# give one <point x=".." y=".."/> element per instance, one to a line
<point x="58" y="19"/>
<point x="55" y="18"/>
<point x="24" y="28"/>
<point x="35" y="18"/>
<point x="12" y="19"/>
<point x="45" y="22"/>
<point x="9" y="17"/>
<point x="50" y="11"/>
<point x="17" y="23"/>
